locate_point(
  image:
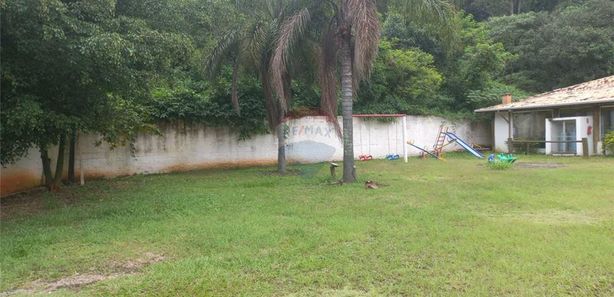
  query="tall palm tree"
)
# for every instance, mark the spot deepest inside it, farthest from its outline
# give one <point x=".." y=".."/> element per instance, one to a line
<point x="346" y="34"/>
<point x="249" y="48"/>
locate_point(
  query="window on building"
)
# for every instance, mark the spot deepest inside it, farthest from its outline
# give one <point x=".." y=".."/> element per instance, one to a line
<point x="607" y="121"/>
<point x="530" y="125"/>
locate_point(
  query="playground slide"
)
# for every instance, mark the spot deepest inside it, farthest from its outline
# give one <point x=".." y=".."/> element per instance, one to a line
<point x="466" y="146"/>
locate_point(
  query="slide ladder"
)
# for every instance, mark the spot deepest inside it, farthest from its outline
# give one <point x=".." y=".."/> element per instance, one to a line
<point x="463" y="144"/>
<point x="441" y="140"/>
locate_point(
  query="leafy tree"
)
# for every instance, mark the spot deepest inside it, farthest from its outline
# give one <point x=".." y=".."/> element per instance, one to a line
<point x="491" y="93"/>
<point x="71" y="65"/>
<point x="484" y="9"/>
<point x="403" y="81"/>
<point x="469" y="60"/>
<point x="198" y="101"/>
<point x="565" y="47"/>
<point x="478" y="63"/>
<point x="406" y="34"/>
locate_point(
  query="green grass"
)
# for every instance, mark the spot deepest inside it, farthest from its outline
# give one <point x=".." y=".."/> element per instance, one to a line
<point x="436" y="228"/>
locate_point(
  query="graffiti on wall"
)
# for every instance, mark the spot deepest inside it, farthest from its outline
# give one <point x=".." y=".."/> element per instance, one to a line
<point x="311" y="142"/>
<point x="309" y="130"/>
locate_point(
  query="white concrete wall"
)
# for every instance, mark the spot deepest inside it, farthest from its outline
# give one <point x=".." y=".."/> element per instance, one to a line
<point x="501" y="132"/>
<point x="183" y="147"/>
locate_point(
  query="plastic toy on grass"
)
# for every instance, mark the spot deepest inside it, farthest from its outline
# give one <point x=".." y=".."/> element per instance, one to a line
<point x="503" y="158"/>
<point x="365" y="157"/>
<point x="392" y="157"/>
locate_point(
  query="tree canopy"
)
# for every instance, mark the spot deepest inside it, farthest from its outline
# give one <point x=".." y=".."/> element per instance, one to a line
<point x="560" y="48"/>
<point x="118" y="67"/>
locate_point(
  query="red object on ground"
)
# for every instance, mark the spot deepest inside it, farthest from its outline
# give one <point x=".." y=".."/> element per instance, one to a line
<point x="365" y="157"/>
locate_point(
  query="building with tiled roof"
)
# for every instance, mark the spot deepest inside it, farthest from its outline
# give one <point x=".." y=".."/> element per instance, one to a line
<point x="555" y="122"/>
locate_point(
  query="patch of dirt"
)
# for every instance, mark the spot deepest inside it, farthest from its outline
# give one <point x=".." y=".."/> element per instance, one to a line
<point x="539" y="165"/>
<point x="76" y="281"/>
<point x="345" y="292"/>
<point x="36" y="201"/>
<point x="136" y="265"/>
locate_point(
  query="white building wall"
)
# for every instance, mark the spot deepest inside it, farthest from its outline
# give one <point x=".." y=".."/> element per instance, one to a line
<point x="501" y="132"/>
<point x="182" y="147"/>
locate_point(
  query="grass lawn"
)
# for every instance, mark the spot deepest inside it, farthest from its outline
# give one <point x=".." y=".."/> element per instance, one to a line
<point x="436" y="228"/>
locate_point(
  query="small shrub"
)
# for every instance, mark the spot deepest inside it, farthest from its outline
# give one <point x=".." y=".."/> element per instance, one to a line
<point x="608" y="142"/>
<point x="500" y="165"/>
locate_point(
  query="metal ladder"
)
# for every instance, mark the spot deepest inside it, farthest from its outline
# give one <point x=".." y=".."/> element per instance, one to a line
<point x="441" y="140"/>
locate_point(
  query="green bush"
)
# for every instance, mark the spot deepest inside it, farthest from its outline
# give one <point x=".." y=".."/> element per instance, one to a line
<point x="608" y="142"/>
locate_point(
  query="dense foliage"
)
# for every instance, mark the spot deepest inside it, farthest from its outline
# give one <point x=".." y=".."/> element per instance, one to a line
<point x="117" y="67"/>
<point x="451" y="72"/>
<point x="203" y="102"/>
<point x="403" y="81"/>
<point x="567" y="46"/>
<point x="77" y="65"/>
<point x="484" y="9"/>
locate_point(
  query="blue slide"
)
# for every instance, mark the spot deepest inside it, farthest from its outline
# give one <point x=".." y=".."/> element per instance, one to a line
<point x="466" y="146"/>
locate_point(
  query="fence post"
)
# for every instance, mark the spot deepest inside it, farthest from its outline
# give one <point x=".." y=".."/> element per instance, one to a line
<point x="510" y="145"/>
<point x="404" y="122"/>
<point x="585" y="147"/>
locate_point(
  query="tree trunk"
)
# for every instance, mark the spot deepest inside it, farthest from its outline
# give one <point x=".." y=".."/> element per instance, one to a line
<point x="347" y="103"/>
<point x="59" y="166"/>
<point x="281" y="149"/>
<point x="52" y="180"/>
<point x="46" y="166"/>
<point x="234" y="93"/>
<point x="71" y="156"/>
<point x="518" y="4"/>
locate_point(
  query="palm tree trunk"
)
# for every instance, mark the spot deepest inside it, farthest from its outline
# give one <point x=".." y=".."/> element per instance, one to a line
<point x="281" y="149"/>
<point x="346" y="104"/>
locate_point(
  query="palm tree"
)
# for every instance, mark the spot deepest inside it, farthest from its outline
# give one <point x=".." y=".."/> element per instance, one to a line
<point x="249" y="48"/>
<point x="348" y="33"/>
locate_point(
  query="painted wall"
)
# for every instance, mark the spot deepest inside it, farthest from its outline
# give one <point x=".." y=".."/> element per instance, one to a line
<point x="182" y="147"/>
<point x="501" y="134"/>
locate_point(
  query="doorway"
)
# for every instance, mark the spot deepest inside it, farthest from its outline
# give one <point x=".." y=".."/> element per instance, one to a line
<point x="565" y="131"/>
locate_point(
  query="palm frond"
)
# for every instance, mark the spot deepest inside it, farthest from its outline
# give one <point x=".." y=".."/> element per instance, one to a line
<point x="436" y="12"/>
<point x="366" y="32"/>
<point x="228" y="42"/>
<point x="254" y="43"/>
<point x="290" y="32"/>
<point x="273" y="112"/>
<point x="437" y="16"/>
<point x="327" y="78"/>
